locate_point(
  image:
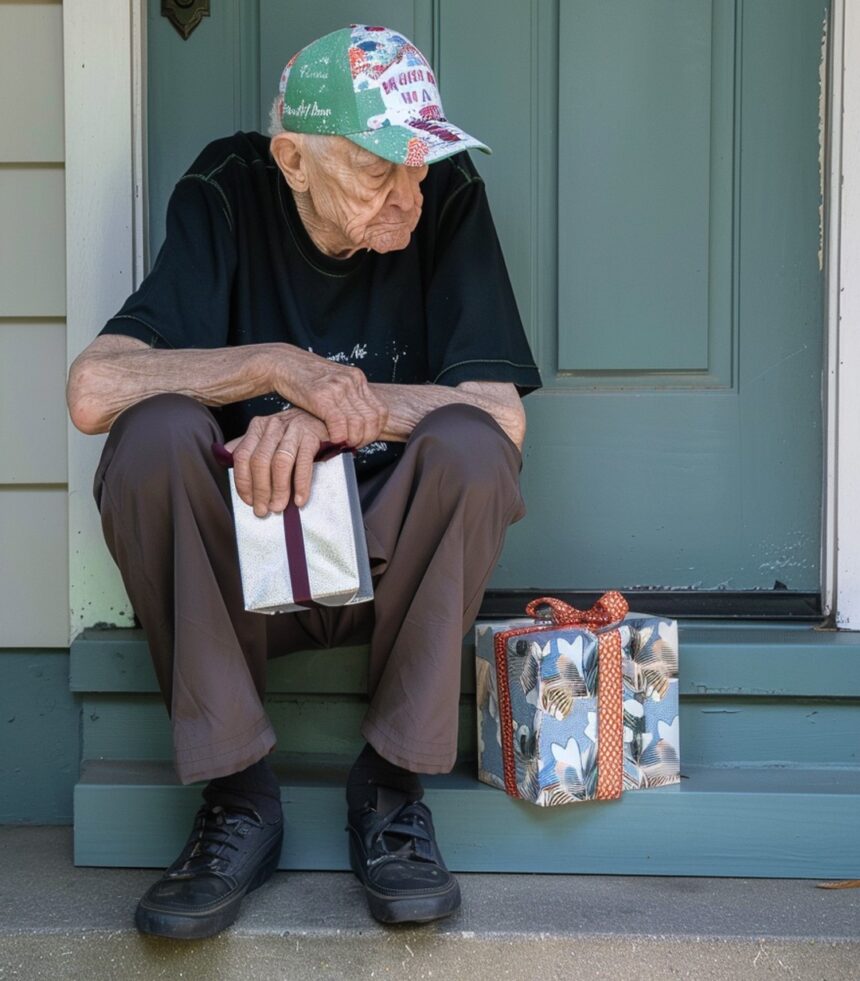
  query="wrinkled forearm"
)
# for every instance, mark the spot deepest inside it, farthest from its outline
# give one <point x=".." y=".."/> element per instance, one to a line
<point x="408" y="404"/>
<point x="103" y="384"/>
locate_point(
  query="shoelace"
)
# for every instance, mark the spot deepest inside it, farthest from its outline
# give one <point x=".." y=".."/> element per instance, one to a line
<point x="410" y="824"/>
<point x="214" y="831"/>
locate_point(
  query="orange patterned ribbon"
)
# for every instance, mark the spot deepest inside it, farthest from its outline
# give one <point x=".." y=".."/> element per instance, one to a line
<point x="609" y="609"/>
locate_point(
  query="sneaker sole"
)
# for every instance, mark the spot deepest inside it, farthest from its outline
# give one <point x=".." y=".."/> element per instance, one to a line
<point x="197" y="926"/>
<point x="406" y="909"/>
<point x="412" y="909"/>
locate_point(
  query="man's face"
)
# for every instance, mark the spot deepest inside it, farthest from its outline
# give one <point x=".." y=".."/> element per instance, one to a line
<point x="375" y="204"/>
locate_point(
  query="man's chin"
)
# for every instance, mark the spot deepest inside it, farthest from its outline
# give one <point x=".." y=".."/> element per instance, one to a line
<point x="388" y="240"/>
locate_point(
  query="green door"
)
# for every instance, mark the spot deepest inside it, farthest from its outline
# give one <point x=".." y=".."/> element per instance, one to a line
<point x="656" y="183"/>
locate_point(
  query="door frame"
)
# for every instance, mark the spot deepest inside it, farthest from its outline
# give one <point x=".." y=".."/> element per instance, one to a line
<point x="106" y="241"/>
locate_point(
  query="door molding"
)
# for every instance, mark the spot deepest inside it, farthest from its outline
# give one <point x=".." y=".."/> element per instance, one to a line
<point x="104" y="47"/>
<point x="841" y="532"/>
<point x="105" y="105"/>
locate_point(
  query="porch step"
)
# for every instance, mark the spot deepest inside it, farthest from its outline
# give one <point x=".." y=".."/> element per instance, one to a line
<point x="750" y="821"/>
<point x="717" y="659"/>
<point x="769" y="744"/>
<point x="69" y="923"/>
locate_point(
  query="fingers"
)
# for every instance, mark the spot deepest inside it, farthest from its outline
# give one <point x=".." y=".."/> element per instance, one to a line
<point x="293" y="467"/>
<point x="304" y="470"/>
<point x="282" y="469"/>
<point x="242" y="450"/>
<point x="275" y="458"/>
<point x="343" y="399"/>
<point x="261" y="465"/>
<point x="375" y="416"/>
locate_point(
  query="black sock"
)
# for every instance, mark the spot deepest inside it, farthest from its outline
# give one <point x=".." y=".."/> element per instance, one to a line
<point x="256" y="786"/>
<point x="371" y="771"/>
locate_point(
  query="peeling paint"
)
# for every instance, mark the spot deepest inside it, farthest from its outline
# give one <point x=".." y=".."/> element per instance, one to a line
<point x="822" y="124"/>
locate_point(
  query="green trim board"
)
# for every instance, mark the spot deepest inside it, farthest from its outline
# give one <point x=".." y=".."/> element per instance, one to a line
<point x="742" y="660"/>
<point x="763" y="822"/>
<point x="40" y="741"/>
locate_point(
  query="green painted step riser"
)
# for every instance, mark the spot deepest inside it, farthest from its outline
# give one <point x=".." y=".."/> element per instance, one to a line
<point x="646" y="833"/>
<point x="713" y="731"/>
<point x="137" y="727"/>
<point x="726" y="659"/>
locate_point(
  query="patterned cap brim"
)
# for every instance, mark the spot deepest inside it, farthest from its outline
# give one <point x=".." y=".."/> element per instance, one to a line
<point x="405" y="144"/>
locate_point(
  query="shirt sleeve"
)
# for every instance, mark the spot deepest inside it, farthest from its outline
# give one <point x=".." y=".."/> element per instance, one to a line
<point x="474" y="331"/>
<point x="184" y="302"/>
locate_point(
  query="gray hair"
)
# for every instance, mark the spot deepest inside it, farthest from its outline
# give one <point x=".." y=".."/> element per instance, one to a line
<point x="275" y="124"/>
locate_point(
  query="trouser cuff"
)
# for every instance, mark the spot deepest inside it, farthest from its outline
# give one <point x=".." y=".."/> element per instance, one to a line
<point x="232" y="755"/>
<point x="400" y="750"/>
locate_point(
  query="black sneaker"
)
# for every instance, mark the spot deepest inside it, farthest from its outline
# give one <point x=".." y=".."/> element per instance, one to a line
<point x="228" y="854"/>
<point x="396" y="857"/>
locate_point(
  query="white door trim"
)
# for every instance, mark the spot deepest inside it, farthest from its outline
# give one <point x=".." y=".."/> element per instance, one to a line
<point x="842" y="483"/>
<point x="105" y="105"/>
<point x="104" y="84"/>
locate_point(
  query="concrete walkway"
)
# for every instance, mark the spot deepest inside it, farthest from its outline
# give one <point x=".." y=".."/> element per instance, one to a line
<point x="59" y="922"/>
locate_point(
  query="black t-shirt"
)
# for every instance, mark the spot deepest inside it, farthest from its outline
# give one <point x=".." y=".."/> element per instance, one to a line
<point x="238" y="267"/>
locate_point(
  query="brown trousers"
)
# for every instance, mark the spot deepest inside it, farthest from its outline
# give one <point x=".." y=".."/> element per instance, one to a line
<point x="435" y="524"/>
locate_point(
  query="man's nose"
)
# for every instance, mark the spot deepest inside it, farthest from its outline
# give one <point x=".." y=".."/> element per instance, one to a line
<point x="404" y="191"/>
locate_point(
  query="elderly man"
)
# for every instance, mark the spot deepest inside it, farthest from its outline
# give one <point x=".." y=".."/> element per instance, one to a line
<point x="324" y="284"/>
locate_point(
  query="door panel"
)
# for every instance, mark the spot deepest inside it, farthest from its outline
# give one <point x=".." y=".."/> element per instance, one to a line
<point x="634" y="150"/>
<point x="656" y="188"/>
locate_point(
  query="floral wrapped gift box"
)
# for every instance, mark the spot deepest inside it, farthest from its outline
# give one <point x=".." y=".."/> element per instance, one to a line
<point x="579" y="707"/>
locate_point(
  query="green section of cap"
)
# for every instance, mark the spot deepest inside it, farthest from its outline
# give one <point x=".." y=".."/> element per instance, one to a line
<point x="369" y="103"/>
<point x="389" y="142"/>
<point x="319" y="97"/>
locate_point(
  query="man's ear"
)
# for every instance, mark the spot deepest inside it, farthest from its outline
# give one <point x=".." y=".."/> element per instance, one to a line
<point x="288" y="153"/>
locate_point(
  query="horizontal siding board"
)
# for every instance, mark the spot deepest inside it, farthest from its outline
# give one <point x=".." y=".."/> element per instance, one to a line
<point x="32" y="242"/>
<point x="723" y="823"/>
<point x="725" y="659"/>
<point x="34" y="599"/>
<point x="31" y="67"/>
<point x="32" y="403"/>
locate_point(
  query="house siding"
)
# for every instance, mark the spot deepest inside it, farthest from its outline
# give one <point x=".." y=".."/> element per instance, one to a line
<point x="33" y="459"/>
<point x="39" y="716"/>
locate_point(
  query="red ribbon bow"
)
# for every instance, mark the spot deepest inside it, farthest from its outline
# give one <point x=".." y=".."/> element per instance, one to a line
<point x="610" y="608"/>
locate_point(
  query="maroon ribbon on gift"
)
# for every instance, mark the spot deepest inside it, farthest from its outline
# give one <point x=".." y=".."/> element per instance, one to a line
<point x="293" y="534"/>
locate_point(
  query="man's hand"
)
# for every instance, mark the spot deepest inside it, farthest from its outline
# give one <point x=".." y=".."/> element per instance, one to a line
<point x="337" y="394"/>
<point x="275" y="456"/>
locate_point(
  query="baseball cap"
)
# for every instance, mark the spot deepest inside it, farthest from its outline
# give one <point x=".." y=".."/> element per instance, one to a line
<point x="373" y="86"/>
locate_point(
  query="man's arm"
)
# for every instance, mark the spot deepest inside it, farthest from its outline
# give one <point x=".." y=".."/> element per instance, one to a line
<point x="408" y="404"/>
<point x="116" y="372"/>
<point x="275" y="456"/>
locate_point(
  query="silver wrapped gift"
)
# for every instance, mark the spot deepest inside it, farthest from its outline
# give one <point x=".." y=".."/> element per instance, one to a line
<point x="315" y="554"/>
